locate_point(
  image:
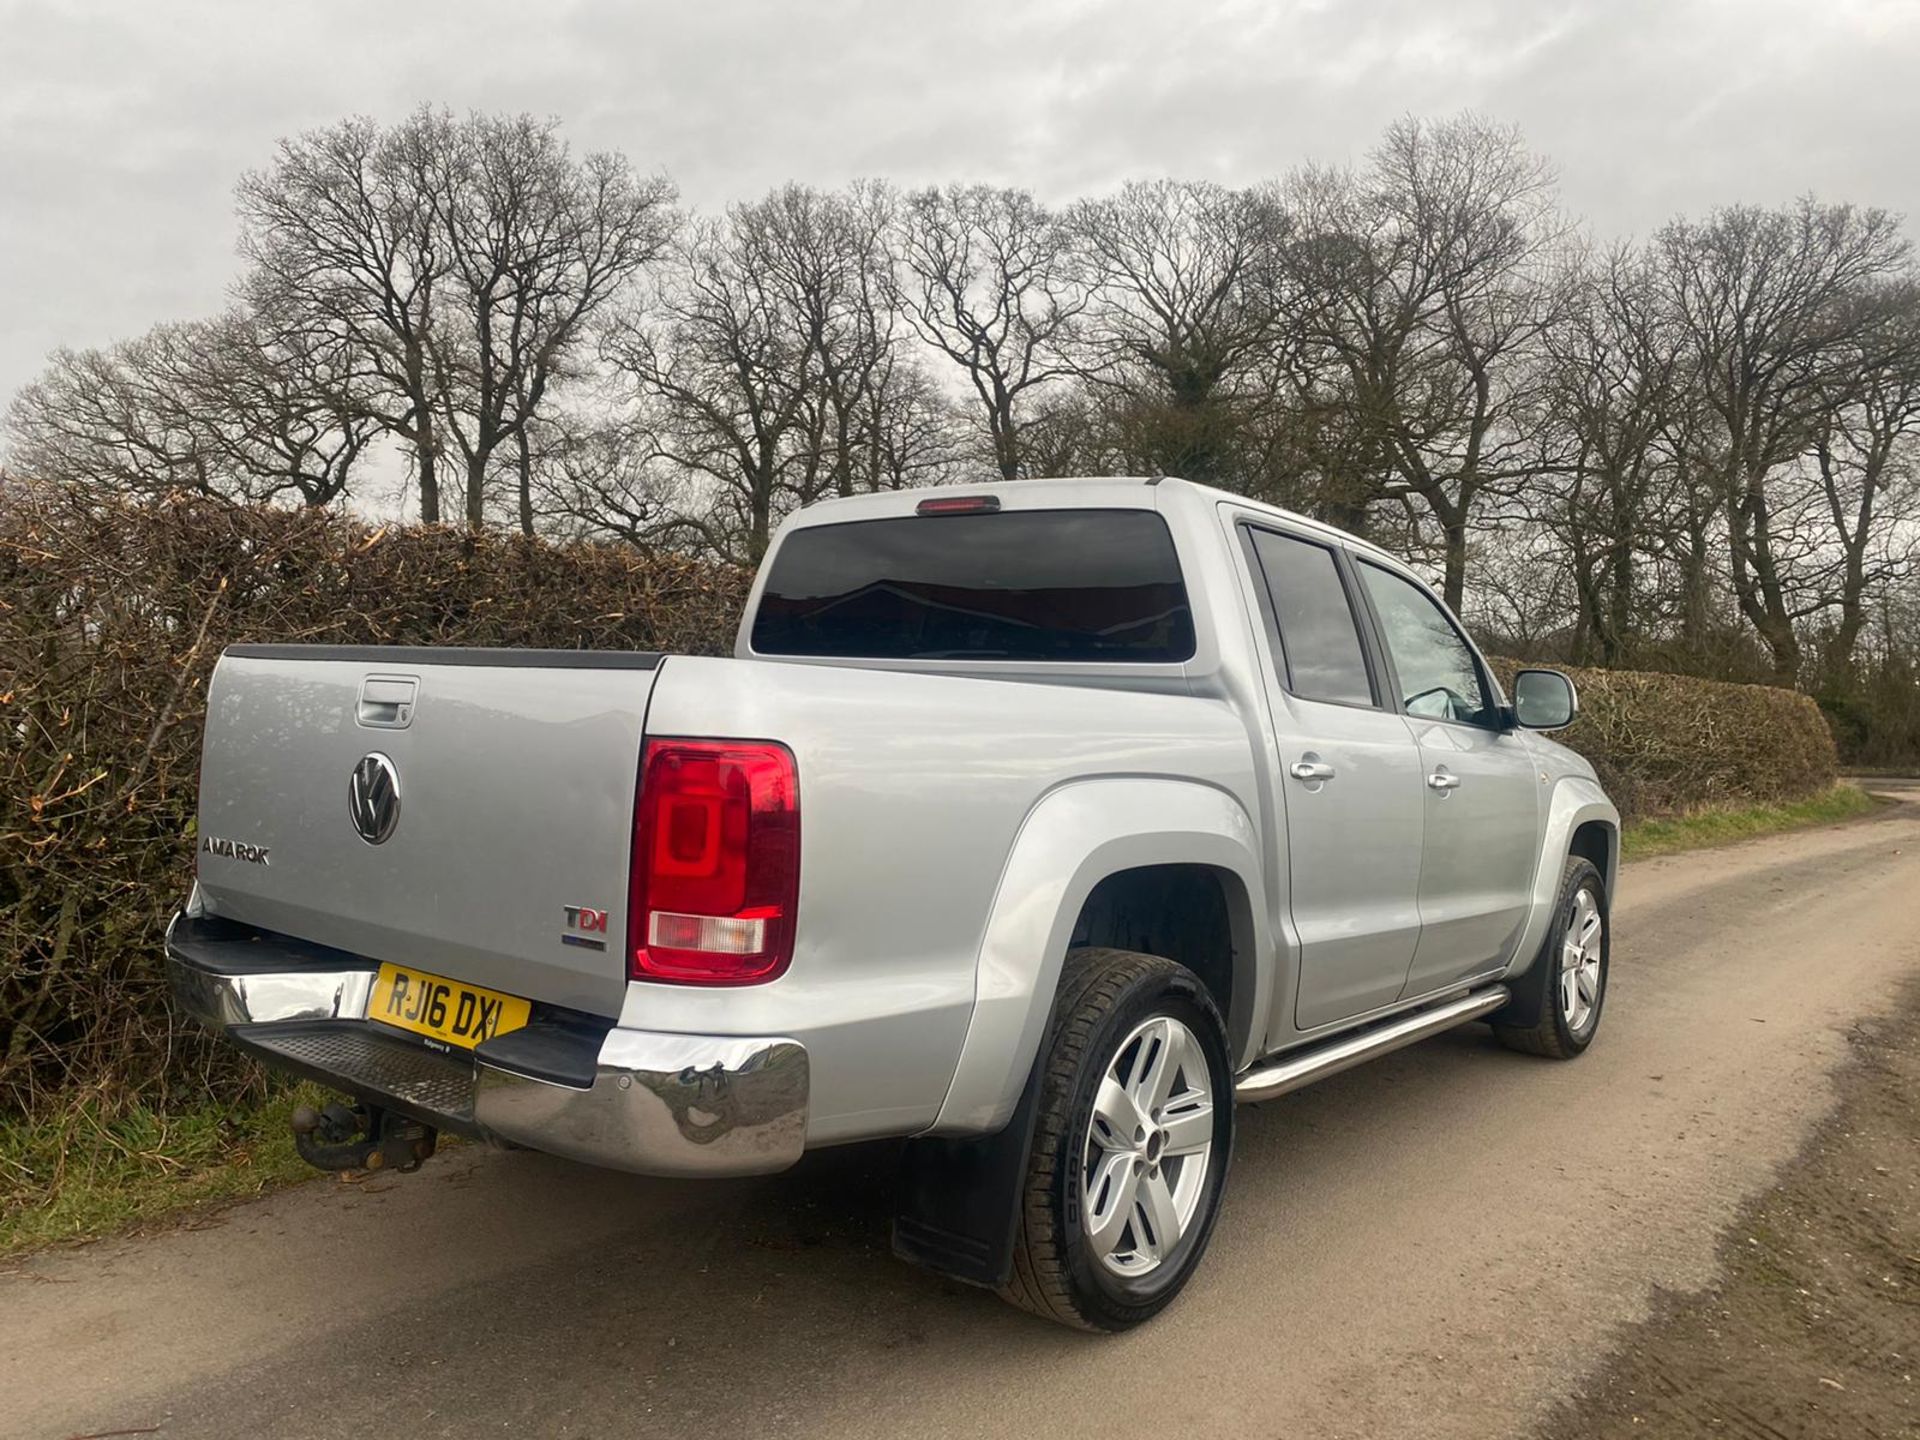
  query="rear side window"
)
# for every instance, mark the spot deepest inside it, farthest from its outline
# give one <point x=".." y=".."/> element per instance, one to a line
<point x="1319" y="638"/>
<point x="1063" y="585"/>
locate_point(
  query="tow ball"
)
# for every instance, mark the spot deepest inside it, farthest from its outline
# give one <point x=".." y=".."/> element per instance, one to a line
<point x="361" y="1137"/>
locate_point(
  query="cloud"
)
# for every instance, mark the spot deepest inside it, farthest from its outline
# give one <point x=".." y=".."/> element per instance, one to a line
<point x="122" y="129"/>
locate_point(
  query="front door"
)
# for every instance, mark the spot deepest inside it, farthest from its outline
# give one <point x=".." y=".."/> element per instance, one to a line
<point x="1350" y="787"/>
<point x="1482" y="790"/>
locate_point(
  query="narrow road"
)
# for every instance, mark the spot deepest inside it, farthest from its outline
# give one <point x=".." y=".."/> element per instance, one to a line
<point x="1438" y="1244"/>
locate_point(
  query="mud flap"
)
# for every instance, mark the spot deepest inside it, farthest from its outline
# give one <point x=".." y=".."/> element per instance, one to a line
<point x="959" y="1199"/>
<point x="1529" y="992"/>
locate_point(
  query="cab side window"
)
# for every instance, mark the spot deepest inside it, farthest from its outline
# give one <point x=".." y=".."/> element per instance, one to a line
<point x="1319" y="638"/>
<point x="1438" y="675"/>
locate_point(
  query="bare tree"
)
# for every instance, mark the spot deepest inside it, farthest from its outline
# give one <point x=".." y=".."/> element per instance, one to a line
<point x="284" y="409"/>
<point x="1180" y="276"/>
<point x="1427" y="280"/>
<point x="1765" y="299"/>
<point x="1864" y="452"/>
<point x="106" y="417"/>
<point x="537" y="245"/>
<point x="907" y="431"/>
<point x="831" y="255"/>
<point x="1073" y="431"/>
<point x="601" y="477"/>
<point x="346" y="247"/>
<point x="760" y="315"/>
<point x="985" y="280"/>
<point x="723" y="382"/>
<point x="1523" y="593"/>
<point x="1614" y="392"/>
<point x="459" y="261"/>
<point x="223" y="407"/>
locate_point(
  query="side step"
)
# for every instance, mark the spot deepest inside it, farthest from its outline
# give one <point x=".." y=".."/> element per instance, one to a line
<point x="1290" y="1072"/>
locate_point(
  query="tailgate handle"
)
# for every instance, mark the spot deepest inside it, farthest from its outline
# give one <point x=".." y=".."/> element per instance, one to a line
<point x="386" y="702"/>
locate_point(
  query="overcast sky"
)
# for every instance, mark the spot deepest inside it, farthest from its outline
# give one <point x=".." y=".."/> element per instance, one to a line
<point x="123" y="127"/>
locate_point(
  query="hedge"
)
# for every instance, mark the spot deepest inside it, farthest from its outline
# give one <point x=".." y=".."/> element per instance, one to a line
<point x="111" y="618"/>
<point x="1665" y="744"/>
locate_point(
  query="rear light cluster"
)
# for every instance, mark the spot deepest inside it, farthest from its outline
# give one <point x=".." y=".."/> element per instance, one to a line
<point x="716" y="862"/>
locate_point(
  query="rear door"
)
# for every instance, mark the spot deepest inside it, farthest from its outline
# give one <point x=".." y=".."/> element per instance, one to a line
<point x="1350" y="785"/>
<point x="1482" y="792"/>
<point x="466" y="812"/>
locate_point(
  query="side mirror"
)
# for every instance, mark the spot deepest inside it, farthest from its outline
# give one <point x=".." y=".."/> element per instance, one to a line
<point x="1544" y="700"/>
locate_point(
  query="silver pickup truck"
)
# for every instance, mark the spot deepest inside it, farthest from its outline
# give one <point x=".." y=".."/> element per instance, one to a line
<point x="1035" y="824"/>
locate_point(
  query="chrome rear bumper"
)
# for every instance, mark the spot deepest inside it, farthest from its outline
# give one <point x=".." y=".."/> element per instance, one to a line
<point x="650" y="1102"/>
<point x="662" y="1105"/>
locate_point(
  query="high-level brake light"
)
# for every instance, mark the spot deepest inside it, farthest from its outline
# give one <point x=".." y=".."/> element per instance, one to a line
<point x="958" y="505"/>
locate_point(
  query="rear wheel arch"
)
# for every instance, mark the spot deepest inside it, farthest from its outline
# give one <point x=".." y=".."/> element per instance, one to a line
<point x="1196" y="915"/>
<point x="1128" y="835"/>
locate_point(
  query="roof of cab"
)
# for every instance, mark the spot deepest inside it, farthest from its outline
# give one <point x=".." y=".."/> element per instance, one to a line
<point x="1067" y="492"/>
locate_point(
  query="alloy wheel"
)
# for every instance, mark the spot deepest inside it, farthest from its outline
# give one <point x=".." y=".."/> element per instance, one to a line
<point x="1580" y="961"/>
<point x="1148" y="1147"/>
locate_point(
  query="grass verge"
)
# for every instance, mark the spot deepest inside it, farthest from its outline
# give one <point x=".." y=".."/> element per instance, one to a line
<point x="1723" y="825"/>
<point x="97" y="1168"/>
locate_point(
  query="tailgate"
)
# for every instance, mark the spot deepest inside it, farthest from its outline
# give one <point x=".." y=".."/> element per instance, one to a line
<point x="455" y="810"/>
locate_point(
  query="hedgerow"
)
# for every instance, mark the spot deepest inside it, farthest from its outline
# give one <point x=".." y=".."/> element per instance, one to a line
<point x="1665" y="744"/>
<point x="113" y="614"/>
<point x="111" y="618"/>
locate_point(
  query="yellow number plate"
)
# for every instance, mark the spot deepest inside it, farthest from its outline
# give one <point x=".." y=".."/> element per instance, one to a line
<point x="443" y="1010"/>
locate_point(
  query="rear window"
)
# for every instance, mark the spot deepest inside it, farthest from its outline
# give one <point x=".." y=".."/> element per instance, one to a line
<point x="1064" y="585"/>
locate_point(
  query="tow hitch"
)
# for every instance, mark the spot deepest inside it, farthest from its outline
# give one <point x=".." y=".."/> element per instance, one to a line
<point x="361" y="1137"/>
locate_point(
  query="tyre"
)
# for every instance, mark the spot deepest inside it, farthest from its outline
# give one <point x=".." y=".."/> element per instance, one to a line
<point x="1131" y="1143"/>
<point x="1565" y="989"/>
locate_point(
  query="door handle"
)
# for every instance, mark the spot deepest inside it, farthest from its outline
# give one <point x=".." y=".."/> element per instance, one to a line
<point x="1310" y="770"/>
<point x="1442" y="780"/>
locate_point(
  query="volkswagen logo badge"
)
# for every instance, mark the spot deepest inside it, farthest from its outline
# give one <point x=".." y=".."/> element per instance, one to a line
<point x="373" y="798"/>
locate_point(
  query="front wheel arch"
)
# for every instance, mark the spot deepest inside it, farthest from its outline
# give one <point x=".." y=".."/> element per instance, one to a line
<point x="1598" y="842"/>
<point x="1533" y="1021"/>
